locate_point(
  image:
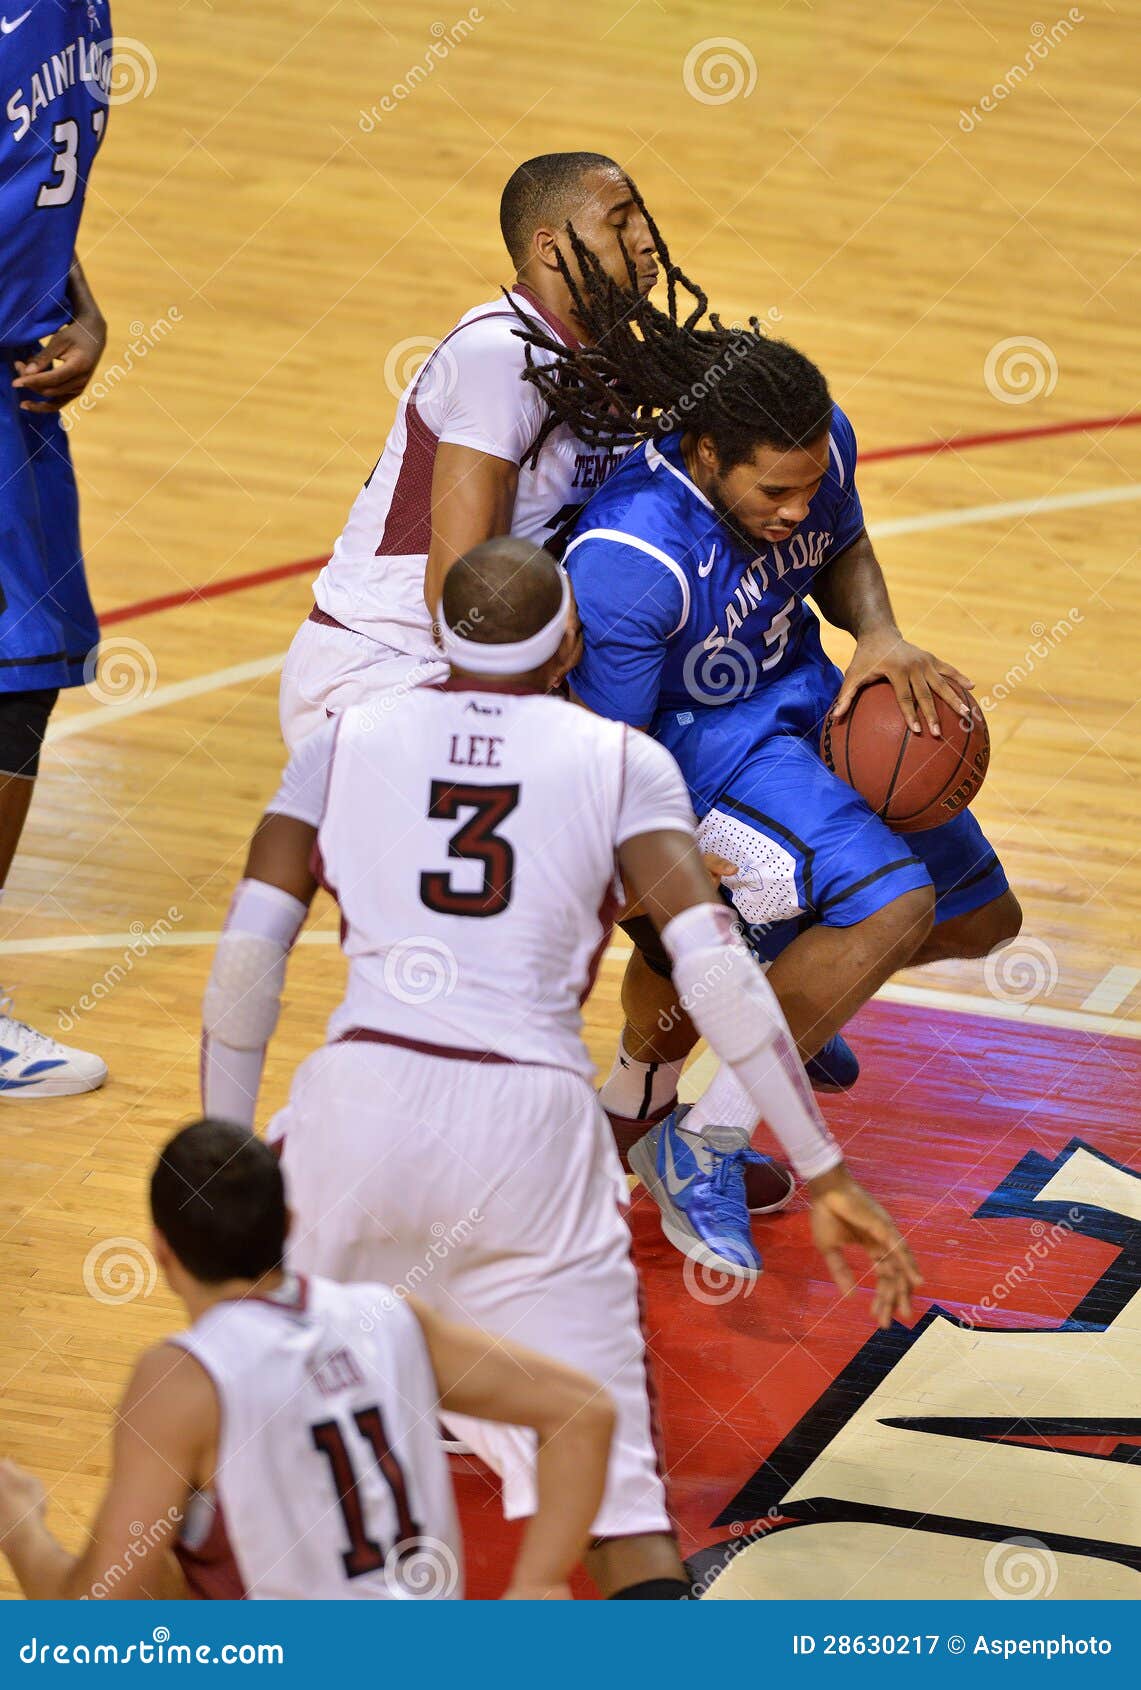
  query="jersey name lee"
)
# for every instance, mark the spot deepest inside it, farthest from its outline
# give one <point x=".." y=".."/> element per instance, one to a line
<point x="475" y="751"/>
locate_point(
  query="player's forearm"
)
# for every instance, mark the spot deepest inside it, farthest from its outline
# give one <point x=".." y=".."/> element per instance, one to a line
<point x="82" y="300"/>
<point x="473" y="499"/>
<point x="243" y="997"/>
<point x="41" y="1565"/>
<point x="723" y="990"/>
<point x="571" y="1476"/>
<point x="231" y="1081"/>
<point x="453" y="538"/>
<point x="440" y="560"/>
<point x="852" y="593"/>
<point x="46" y="1572"/>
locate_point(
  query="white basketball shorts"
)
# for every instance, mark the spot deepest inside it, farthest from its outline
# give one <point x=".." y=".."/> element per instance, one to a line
<point x="494" y="1192"/>
<point x="329" y="667"/>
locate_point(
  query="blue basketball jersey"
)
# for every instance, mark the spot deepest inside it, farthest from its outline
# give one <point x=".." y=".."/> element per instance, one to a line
<point x="55" y="70"/>
<point x="677" y="614"/>
<point x="710" y="645"/>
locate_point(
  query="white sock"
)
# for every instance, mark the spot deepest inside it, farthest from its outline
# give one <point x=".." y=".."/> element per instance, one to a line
<point x="723" y="1103"/>
<point x="636" y="1089"/>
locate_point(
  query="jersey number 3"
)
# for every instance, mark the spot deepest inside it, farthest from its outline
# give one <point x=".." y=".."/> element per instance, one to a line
<point x="364" y="1554"/>
<point x="475" y="841"/>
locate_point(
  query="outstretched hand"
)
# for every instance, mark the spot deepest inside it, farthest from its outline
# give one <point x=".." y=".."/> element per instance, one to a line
<point x="843" y="1214"/>
<point x="915" y="675"/>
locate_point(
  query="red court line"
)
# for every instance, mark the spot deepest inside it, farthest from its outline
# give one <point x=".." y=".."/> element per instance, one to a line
<point x="919" y="449"/>
<point x="1006" y="436"/>
<point x="212" y="590"/>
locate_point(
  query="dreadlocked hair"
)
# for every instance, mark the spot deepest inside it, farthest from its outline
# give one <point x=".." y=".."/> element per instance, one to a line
<point x="647" y="372"/>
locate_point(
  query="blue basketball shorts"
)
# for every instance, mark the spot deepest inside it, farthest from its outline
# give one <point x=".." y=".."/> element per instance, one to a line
<point x="808" y="849"/>
<point x="48" y="630"/>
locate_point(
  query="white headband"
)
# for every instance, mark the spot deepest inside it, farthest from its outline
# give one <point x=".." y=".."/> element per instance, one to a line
<point x="512" y="657"/>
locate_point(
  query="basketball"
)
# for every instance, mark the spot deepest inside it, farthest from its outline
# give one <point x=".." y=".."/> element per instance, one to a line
<point x="914" y="781"/>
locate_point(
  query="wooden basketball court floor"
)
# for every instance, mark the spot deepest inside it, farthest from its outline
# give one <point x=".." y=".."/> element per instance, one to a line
<point x="293" y="202"/>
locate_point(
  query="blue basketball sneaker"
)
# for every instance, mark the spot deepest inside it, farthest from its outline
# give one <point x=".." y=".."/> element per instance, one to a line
<point x="698" y="1182"/>
<point x="835" y="1067"/>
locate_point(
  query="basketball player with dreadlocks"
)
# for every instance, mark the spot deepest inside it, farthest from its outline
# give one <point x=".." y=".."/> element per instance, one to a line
<point x="473" y="452"/>
<point x="691" y="569"/>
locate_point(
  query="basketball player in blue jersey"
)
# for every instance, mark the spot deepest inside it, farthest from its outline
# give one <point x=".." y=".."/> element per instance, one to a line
<point x="55" y="65"/>
<point x="692" y="569"/>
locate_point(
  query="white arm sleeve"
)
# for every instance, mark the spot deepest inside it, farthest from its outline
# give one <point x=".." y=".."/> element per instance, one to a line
<point x="243" y="997"/>
<point x="306" y="779"/>
<point x="473" y="392"/>
<point x="654" y="797"/>
<point x="725" y="994"/>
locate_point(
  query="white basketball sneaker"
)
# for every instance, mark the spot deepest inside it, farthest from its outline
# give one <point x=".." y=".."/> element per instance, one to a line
<point x="34" y="1065"/>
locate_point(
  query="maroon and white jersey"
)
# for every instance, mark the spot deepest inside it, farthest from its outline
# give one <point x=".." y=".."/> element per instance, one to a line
<point x="469" y="392"/>
<point x="330" y="1479"/>
<point x="470" y="841"/>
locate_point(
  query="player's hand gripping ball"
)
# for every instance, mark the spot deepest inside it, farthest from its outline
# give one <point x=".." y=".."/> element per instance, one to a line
<point x="913" y="781"/>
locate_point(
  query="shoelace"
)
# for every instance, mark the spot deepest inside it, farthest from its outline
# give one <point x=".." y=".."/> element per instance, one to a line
<point x="17" y="1035"/>
<point x="727" y="1180"/>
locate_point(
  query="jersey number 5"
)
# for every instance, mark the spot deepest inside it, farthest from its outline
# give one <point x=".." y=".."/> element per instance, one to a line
<point x="364" y="1554"/>
<point x="475" y="841"/>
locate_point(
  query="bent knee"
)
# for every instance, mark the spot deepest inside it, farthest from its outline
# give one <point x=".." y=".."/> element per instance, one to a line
<point x="903" y="925"/>
<point x="992" y="926"/>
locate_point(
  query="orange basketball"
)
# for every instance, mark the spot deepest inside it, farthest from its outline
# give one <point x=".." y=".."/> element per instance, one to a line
<point x="914" y="781"/>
